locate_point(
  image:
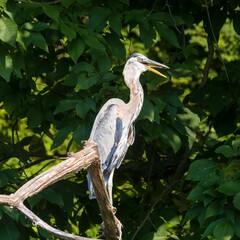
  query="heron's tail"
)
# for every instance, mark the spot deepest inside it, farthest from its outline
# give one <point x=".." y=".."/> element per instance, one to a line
<point x="90" y="185"/>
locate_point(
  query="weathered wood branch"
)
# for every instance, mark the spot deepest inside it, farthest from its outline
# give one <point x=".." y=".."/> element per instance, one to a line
<point x="112" y="226"/>
<point x="72" y="164"/>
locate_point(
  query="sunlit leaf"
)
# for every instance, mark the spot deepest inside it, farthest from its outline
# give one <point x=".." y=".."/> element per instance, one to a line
<point x="8" y="31"/>
<point x="6" y="66"/>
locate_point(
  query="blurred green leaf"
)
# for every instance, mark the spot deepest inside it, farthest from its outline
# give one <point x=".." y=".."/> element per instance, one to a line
<point x="201" y="170"/>
<point x="76" y="48"/>
<point x="51" y="11"/>
<point x="53" y="197"/>
<point x="8" y="31"/>
<point x="225" y="150"/>
<point x="84" y="106"/>
<point x="147" y="111"/>
<point x="170" y="137"/>
<point x="62" y="135"/>
<point x="223" y="231"/>
<point x="196" y="194"/>
<point x="65" y="105"/>
<point x="115" y="21"/>
<point x="6" y="66"/>
<point x="236" y="201"/>
<point x="94" y="43"/>
<point x="167" y="33"/>
<point x="229" y="188"/>
<point x="68" y="31"/>
<point x="12" y="233"/>
<point x="117" y="47"/>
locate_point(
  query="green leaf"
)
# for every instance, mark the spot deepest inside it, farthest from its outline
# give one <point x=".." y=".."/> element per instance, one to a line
<point x="168" y="34"/>
<point x="210" y="228"/>
<point x="229" y="188"/>
<point x="196" y="193"/>
<point x="170" y="137"/>
<point x="68" y="3"/>
<point x="228" y="117"/>
<point x="53" y="197"/>
<point x="85" y="82"/>
<point x="236" y="201"/>
<point x="84" y="106"/>
<point x="115" y="21"/>
<point x="38" y="40"/>
<point x="76" y="48"/>
<point x="202" y="169"/>
<point x="3" y="4"/>
<point x="97" y="17"/>
<point x="94" y="43"/>
<point x="8" y="31"/>
<point x="6" y="65"/>
<point x="192" y="213"/>
<point x="82" y="132"/>
<point x="68" y="31"/>
<point x="223" y="231"/>
<point x="225" y="150"/>
<point x="62" y="135"/>
<point x="166" y="18"/>
<point x="213" y="210"/>
<point x="236" y="145"/>
<point x="35" y="117"/>
<point x="147" y="111"/>
<point x="117" y="47"/>
<point x="65" y="105"/>
<point x="51" y="11"/>
<point x="236" y="25"/>
<point x="147" y="35"/>
<point x="8" y="229"/>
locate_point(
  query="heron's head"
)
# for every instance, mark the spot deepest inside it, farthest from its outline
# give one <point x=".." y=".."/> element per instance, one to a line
<point x="137" y="64"/>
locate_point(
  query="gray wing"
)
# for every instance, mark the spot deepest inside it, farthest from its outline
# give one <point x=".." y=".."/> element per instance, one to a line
<point x="107" y="132"/>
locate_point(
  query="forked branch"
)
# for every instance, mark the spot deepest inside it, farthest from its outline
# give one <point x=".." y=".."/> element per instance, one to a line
<point x="72" y="164"/>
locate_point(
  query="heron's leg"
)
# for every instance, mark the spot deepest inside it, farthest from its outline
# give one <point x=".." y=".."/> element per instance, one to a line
<point x="110" y="186"/>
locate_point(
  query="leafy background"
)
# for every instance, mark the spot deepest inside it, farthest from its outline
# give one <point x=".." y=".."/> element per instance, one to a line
<point x="61" y="60"/>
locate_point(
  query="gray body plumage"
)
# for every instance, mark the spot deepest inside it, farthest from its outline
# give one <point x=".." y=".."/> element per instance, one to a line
<point x="113" y="128"/>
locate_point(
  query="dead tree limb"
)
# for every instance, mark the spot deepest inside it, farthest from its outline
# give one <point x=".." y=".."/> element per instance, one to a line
<point x="72" y="164"/>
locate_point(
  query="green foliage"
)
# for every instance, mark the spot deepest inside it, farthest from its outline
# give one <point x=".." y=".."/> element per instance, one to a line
<point x="60" y="61"/>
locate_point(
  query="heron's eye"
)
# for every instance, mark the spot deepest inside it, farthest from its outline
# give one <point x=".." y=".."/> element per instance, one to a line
<point x="139" y="59"/>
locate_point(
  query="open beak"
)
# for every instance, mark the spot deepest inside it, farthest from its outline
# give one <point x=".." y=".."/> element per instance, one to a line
<point x="150" y="65"/>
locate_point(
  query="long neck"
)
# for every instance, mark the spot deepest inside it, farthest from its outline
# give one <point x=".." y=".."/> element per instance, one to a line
<point x="136" y="99"/>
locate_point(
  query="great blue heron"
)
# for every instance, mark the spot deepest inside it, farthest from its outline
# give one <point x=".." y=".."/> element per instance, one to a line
<point x="113" y="129"/>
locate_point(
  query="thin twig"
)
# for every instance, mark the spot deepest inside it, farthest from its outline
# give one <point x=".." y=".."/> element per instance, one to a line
<point x="208" y="61"/>
<point x="215" y="40"/>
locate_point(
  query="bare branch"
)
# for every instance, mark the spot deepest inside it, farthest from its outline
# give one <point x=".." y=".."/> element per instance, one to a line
<point x="75" y="162"/>
<point x="113" y="227"/>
